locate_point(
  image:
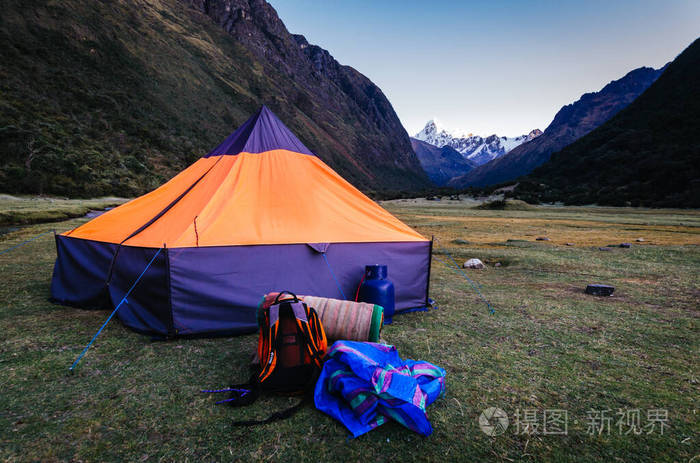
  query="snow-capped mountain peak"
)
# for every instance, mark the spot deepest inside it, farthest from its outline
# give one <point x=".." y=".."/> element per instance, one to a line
<point x="435" y="122"/>
<point x="435" y="129"/>
<point x="477" y="149"/>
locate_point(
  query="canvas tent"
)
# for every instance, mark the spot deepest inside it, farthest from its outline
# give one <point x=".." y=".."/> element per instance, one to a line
<point x="259" y="213"/>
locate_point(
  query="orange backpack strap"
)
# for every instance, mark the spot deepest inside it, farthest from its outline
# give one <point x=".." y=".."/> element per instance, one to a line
<point x="268" y="359"/>
<point x="312" y="330"/>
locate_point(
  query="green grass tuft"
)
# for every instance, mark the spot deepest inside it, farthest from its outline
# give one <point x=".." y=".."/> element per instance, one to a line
<point x="29" y="210"/>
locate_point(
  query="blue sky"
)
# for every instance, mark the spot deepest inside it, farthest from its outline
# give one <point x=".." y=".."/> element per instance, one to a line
<point x="488" y="67"/>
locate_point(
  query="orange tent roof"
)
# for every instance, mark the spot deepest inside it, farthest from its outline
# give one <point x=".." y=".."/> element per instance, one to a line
<point x="261" y="186"/>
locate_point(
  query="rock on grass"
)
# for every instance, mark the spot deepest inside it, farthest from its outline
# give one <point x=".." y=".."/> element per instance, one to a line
<point x="600" y="290"/>
<point x="474" y="264"/>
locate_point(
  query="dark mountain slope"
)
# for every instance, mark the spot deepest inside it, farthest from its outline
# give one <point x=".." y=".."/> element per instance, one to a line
<point x="647" y="155"/>
<point x="115" y="97"/>
<point x="570" y="123"/>
<point x="441" y="164"/>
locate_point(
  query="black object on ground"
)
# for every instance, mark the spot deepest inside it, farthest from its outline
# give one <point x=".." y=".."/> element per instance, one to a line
<point x="625" y="245"/>
<point x="605" y="249"/>
<point x="600" y="290"/>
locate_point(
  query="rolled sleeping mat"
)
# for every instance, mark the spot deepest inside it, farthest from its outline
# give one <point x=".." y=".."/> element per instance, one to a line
<point x="346" y="320"/>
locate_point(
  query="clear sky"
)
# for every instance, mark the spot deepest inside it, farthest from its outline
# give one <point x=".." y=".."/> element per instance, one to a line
<point x="488" y="67"/>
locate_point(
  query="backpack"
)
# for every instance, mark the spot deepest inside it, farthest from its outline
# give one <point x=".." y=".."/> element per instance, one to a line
<point x="291" y="346"/>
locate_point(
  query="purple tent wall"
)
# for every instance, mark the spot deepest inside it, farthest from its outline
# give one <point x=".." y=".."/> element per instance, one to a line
<point x="147" y="308"/>
<point x="218" y="288"/>
<point x="80" y="279"/>
<point x="215" y="290"/>
<point x="80" y="272"/>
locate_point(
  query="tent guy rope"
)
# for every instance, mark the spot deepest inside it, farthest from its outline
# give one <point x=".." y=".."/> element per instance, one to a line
<point x="472" y="282"/>
<point x="114" y="311"/>
<point x="26" y="241"/>
<point x="333" y="275"/>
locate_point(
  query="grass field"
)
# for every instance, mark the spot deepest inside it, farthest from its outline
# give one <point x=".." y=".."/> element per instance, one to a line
<point x="548" y="346"/>
<point x="21" y="210"/>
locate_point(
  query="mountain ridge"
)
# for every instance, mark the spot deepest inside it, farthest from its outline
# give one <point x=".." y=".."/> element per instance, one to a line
<point x="477" y="149"/>
<point x="571" y="122"/>
<point x="648" y="154"/>
<point x="441" y="164"/>
<point x="103" y="99"/>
